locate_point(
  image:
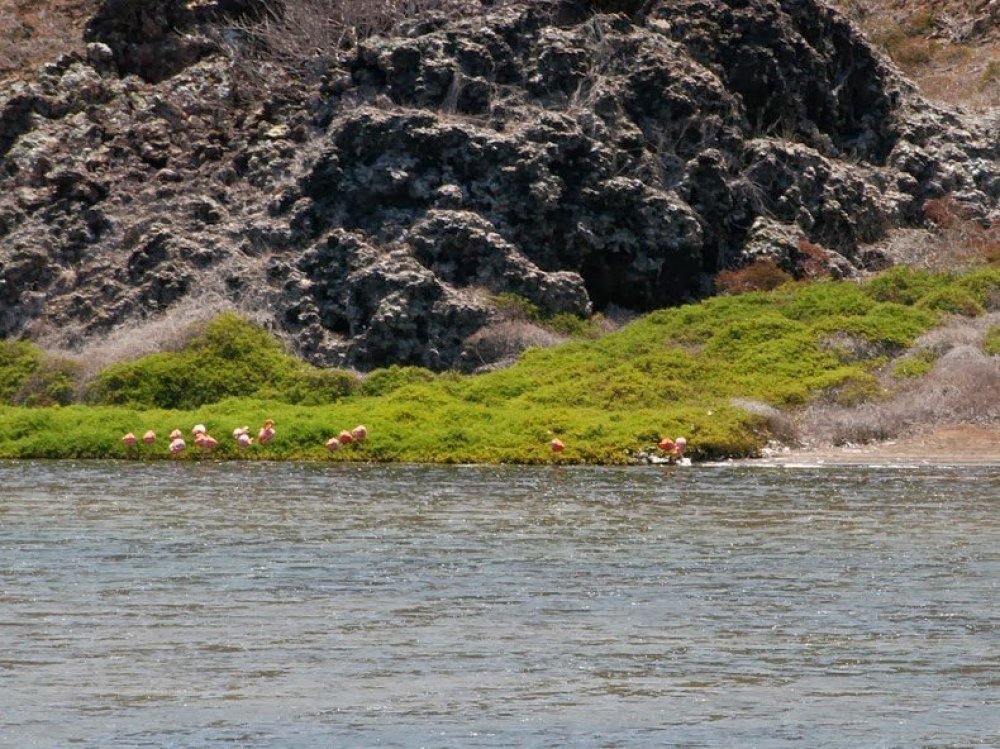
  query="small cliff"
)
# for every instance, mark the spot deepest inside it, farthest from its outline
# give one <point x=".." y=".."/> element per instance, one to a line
<point x="582" y="155"/>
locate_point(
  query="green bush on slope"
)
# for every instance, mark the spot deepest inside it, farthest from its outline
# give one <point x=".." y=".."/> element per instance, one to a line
<point x="30" y="377"/>
<point x="18" y="361"/>
<point x="230" y="358"/>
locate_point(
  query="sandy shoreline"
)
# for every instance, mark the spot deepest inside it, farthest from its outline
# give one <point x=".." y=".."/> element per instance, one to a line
<point x="952" y="445"/>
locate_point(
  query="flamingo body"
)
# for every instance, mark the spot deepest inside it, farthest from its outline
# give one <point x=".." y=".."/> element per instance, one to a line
<point x="266" y="433"/>
<point x="666" y="444"/>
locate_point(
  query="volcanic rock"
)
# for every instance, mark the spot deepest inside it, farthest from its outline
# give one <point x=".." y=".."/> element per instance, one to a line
<point x="582" y="156"/>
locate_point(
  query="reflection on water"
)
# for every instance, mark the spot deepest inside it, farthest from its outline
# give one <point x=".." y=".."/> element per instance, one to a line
<point x="200" y="605"/>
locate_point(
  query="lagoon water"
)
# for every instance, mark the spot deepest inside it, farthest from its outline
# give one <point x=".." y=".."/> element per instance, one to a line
<point x="263" y="605"/>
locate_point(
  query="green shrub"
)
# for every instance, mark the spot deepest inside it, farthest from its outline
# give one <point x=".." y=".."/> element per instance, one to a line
<point x="312" y="386"/>
<point x="819" y="301"/>
<point x="18" y="360"/>
<point x="855" y="389"/>
<point x="953" y="300"/>
<point x="890" y="327"/>
<point x="572" y="326"/>
<point x="229" y="358"/>
<point x="991" y="342"/>
<point x="384" y="381"/>
<point x="914" y="365"/>
<point x="903" y="285"/>
<point x="29" y="377"/>
<point x="52" y="383"/>
<point x="983" y="286"/>
<point x="516" y="307"/>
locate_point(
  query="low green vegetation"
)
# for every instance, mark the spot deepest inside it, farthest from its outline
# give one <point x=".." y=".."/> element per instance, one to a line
<point x="991" y="343"/>
<point x="516" y="307"/>
<point x="673" y="372"/>
<point x="914" y="365"/>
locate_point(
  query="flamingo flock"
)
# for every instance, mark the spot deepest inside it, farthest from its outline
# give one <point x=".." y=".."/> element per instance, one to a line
<point x="241" y="436"/>
<point x="358" y="434"/>
<point x="674" y="448"/>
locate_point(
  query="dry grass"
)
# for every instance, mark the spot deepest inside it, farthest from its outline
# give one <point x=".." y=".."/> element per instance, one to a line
<point x="777" y="422"/>
<point x="959" y="332"/>
<point x="952" y="242"/>
<point x="498" y="345"/>
<point x="950" y="48"/>
<point x="33" y="32"/>
<point x="963" y="386"/>
<point x="138" y="338"/>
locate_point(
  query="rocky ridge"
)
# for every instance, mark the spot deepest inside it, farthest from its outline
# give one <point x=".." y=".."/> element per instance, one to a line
<point x="584" y="156"/>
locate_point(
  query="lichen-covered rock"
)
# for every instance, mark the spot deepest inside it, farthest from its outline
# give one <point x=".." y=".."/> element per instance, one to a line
<point x="584" y="157"/>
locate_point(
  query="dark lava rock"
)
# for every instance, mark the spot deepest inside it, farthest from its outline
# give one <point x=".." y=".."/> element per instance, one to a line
<point x="583" y="156"/>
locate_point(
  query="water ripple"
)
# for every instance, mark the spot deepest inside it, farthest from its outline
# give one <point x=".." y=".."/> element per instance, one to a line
<point x="218" y="605"/>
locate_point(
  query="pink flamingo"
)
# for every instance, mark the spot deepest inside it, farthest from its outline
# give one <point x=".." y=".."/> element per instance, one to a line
<point x="359" y="433"/>
<point x="266" y="433"/>
<point x="129" y="440"/>
<point x="205" y="441"/>
<point x="149" y="437"/>
<point x="333" y="444"/>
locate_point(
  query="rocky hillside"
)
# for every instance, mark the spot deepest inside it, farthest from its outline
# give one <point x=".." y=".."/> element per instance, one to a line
<point x="582" y="155"/>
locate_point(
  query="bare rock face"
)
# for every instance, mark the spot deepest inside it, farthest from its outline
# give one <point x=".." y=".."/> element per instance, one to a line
<point x="156" y="39"/>
<point x="614" y="153"/>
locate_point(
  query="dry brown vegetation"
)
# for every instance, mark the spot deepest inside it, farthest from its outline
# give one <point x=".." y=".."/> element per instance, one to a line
<point x="950" y="48"/>
<point x="169" y="332"/>
<point x="952" y="240"/>
<point x="961" y="386"/>
<point x="33" y="32"/>
<point x="762" y="274"/>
